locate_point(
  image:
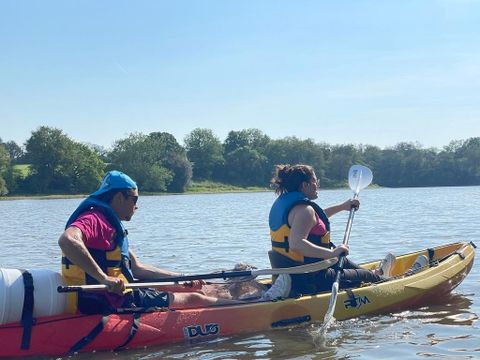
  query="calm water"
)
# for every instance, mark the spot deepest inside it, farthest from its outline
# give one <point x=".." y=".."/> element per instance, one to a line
<point x="203" y="233"/>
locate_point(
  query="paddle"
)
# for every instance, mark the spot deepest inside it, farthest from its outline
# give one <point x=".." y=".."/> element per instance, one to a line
<point x="313" y="267"/>
<point x="359" y="177"/>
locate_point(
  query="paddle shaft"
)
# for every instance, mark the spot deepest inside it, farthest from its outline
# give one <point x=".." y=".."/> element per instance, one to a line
<point x="359" y="177"/>
<point x="346" y="238"/>
<point x="317" y="266"/>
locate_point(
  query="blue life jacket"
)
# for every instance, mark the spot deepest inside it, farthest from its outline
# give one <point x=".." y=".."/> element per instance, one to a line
<point x="115" y="262"/>
<point x="280" y="229"/>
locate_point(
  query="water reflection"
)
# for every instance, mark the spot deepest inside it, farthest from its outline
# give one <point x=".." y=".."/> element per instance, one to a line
<point x="451" y="309"/>
<point x="279" y="344"/>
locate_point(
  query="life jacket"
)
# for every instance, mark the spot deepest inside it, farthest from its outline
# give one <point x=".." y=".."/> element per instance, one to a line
<point x="115" y="262"/>
<point x="280" y="229"/>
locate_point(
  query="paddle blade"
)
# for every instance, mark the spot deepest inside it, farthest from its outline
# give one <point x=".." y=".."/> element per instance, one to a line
<point x="329" y="319"/>
<point x="359" y="177"/>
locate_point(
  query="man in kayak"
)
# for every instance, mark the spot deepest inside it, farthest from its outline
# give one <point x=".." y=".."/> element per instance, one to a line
<point x="95" y="251"/>
<point x="300" y="234"/>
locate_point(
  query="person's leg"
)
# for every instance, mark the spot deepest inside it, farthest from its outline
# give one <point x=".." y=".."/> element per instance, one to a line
<point x="92" y="303"/>
<point x="355" y="277"/>
<point x="349" y="278"/>
<point x="385" y="268"/>
<point x="195" y="300"/>
<point x="146" y="298"/>
<point x="349" y="264"/>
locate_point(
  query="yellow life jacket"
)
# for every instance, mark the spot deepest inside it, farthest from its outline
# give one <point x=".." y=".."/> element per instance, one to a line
<point x="280" y="229"/>
<point x="115" y="262"/>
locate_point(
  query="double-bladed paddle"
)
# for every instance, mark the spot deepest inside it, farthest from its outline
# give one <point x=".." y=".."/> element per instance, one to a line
<point x="359" y="177"/>
<point x="316" y="266"/>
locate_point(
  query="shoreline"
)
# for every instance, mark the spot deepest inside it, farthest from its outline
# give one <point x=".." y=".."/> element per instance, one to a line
<point x="196" y="188"/>
<point x="77" y="196"/>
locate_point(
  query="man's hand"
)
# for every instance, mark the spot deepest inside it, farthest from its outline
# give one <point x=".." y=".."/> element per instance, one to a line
<point x="114" y="284"/>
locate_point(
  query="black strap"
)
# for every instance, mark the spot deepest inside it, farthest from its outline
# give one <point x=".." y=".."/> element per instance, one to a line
<point x="283" y="245"/>
<point x="66" y="262"/>
<point x="27" y="310"/>
<point x="351" y="302"/>
<point x="87" y="339"/>
<point x="350" y="293"/>
<point x="133" y="330"/>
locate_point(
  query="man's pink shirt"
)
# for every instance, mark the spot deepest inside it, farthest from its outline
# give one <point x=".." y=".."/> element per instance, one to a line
<point x="97" y="231"/>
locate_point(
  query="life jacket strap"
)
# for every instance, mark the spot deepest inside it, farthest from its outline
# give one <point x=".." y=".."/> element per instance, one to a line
<point x="282" y="244"/>
<point x="66" y="262"/>
<point x="27" y="310"/>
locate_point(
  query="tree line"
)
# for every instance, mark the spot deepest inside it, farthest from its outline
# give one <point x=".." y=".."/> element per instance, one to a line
<point x="58" y="164"/>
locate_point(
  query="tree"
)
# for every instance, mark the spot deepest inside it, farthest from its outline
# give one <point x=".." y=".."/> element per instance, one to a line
<point x="14" y="151"/>
<point x="205" y="152"/>
<point x="245" y="162"/>
<point x="467" y="156"/>
<point x="59" y="164"/>
<point x="390" y="168"/>
<point x="252" y="138"/>
<point x="371" y="156"/>
<point x="45" y="151"/>
<point x="174" y="158"/>
<point x="246" y="167"/>
<point x="292" y="150"/>
<point x="179" y="165"/>
<point x="156" y="161"/>
<point x="84" y="169"/>
<point x="135" y="157"/>
<point x="340" y="159"/>
<point x="101" y="151"/>
<point x="4" y="166"/>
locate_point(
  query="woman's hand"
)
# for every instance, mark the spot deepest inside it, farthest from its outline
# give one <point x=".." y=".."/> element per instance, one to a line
<point x="340" y="250"/>
<point x="351" y="204"/>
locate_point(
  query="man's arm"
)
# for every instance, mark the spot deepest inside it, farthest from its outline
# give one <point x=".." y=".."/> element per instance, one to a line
<point x="72" y="245"/>
<point x="147" y="272"/>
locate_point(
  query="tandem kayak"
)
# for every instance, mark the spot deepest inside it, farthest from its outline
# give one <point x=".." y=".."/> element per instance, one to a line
<point x="66" y="334"/>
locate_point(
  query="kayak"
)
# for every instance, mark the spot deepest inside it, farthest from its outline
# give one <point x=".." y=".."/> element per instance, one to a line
<point x="60" y="335"/>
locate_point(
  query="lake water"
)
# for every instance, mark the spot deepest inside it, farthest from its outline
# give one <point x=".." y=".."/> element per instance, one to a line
<point x="204" y="233"/>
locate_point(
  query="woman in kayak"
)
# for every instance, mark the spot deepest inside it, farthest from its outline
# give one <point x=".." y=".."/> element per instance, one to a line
<point x="300" y="234"/>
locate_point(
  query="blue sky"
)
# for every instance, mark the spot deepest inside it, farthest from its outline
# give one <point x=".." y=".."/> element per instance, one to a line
<point x="353" y="71"/>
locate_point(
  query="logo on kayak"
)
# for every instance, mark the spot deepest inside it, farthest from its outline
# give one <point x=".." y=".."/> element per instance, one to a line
<point x="356" y="302"/>
<point x="195" y="331"/>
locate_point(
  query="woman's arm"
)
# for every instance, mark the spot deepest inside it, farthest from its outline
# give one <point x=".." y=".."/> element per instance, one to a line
<point x="302" y="220"/>
<point x="345" y="206"/>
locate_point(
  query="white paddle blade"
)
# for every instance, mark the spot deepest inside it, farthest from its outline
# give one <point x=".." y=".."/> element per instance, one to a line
<point x="359" y="177"/>
<point x="328" y="318"/>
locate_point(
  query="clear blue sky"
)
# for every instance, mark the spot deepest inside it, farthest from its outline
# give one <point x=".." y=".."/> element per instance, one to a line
<point x="353" y="71"/>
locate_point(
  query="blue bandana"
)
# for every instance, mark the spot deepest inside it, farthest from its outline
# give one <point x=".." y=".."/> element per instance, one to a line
<point x="115" y="180"/>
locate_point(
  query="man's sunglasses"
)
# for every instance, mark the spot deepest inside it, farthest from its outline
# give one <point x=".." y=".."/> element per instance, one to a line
<point x="134" y="197"/>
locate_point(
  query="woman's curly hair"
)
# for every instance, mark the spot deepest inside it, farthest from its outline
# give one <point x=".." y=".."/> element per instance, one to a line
<point x="289" y="178"/>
